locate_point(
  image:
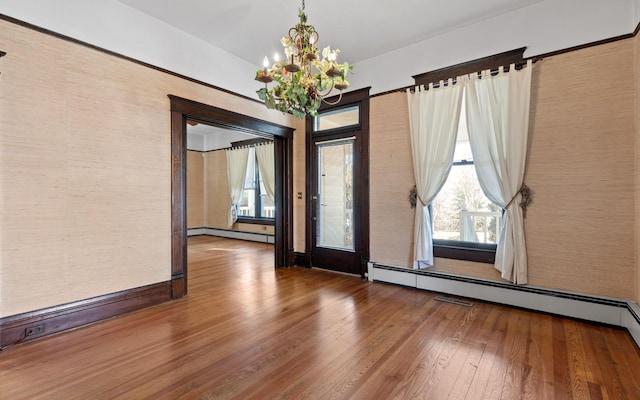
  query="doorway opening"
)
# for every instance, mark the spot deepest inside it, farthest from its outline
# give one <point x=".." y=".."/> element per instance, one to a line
<point x="184" y="110"/>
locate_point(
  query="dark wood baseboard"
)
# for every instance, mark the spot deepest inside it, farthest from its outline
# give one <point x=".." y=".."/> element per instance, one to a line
<point x="302" y="259"/>
<point x="36" y="324"/>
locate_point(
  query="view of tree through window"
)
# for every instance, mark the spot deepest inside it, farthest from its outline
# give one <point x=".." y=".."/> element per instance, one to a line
<point x="461" y="211"/>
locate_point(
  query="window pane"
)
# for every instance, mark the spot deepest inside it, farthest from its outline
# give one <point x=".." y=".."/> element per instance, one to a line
<point x="267" y="207"/>
<point x="335" y="195"/>
<point x="247" y="206"/>
<point x="462" y="212"/>
<point x="250" y="177"/>
<point x="340" y="118"/>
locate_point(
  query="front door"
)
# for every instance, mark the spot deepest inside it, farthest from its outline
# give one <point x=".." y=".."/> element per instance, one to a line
<point x="337" y="174"/>
<point x="335" y="216"/>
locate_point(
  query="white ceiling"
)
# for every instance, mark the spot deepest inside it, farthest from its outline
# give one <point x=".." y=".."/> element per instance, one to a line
<point x="361" y="29"/>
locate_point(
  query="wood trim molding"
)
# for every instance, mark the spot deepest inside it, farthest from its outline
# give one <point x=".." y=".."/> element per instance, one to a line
<point x="469" y="67"/>
<point x="45" y="322"/>
<point x="461" y="253"/>
<point x="255" y="221"/>
<point x="184" y="109"/>
<point x="302" y="259"/>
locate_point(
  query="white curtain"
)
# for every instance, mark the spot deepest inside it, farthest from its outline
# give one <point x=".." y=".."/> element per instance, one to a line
<point x="498" y="122"/>
<point x="433" y="120"/>
<point x="236" y="172"/>
<point x="267" y="165"/>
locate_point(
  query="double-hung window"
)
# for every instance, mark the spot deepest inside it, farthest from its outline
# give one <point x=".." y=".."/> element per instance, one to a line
<point x="465" y="221"/>
<point x="255" y="203"/>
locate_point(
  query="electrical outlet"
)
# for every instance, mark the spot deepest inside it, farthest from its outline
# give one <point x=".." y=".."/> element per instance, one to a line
<point x="34" y="330"/>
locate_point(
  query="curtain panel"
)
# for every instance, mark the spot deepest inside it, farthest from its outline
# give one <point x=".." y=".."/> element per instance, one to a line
<point x="267" y="165"/>
<point x="498" y="123"/>
<point x="434" y="114"/>
<point x="236" y="172"/>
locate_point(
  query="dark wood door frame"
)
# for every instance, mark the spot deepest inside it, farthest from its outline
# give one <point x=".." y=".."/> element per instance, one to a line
<point x="360" y="97"/>
<point x="184" y="109"/>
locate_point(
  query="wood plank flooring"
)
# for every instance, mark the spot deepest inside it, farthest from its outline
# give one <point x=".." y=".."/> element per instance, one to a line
<point x="247" y="331"/>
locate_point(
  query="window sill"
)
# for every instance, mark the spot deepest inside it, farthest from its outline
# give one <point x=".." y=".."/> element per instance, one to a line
<point x="465" y="251"/>
<point x="257" y="221"/>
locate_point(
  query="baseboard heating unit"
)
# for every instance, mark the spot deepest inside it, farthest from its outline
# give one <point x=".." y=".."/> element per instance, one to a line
<point x="605" y="310"/>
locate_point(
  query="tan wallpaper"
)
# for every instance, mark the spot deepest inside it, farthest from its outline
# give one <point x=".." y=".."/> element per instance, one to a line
<point x="580" y="227"/>
<point x="217" y="198"/>
<point x="636" y="42"/>
<point x="391" y="179"/>
<point x="581" y="167"/>
<point x="195" y="189"/>
<point x="85" y="172"/>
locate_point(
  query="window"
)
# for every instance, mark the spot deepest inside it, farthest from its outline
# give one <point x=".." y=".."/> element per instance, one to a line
<point x="465" y="221"/>
<point x="338" y="118"/>
<point x="255" y="203"/>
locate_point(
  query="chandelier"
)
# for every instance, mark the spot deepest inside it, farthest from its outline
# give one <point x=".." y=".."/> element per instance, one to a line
<point x="303" y="80"/>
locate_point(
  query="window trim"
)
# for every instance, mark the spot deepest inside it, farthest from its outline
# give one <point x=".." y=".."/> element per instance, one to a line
<point x="337" y="110"/>
<point x="467" y="251"/>
<point x="255" y="220"/>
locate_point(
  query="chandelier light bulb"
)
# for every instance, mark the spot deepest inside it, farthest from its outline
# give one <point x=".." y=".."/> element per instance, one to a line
<point x="276" y="57"/>
<point x="265" y="62"/>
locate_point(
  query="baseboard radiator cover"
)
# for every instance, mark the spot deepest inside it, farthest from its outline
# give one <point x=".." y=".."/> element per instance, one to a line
<point x="249" y="236"/>
<point x="604" y="310"/>
<point x="196" y="231"/>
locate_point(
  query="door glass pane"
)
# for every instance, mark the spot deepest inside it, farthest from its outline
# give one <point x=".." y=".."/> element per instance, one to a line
<point x="334" y="227"/>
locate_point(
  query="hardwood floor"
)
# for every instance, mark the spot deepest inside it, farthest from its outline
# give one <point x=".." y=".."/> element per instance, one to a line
<point x="247" y="331"/>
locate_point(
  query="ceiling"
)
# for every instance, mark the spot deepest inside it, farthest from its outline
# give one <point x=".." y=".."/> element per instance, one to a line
<point x="361" y="29"/>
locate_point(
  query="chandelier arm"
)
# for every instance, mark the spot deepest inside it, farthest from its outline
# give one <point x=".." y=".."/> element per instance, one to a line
<point x="332" y="103"/>
<point x="327" y="93"/>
